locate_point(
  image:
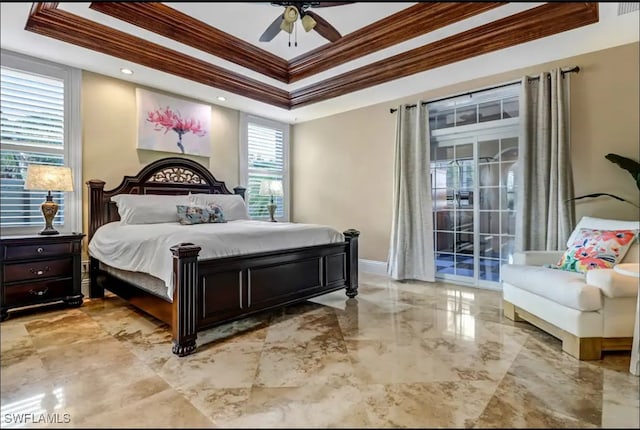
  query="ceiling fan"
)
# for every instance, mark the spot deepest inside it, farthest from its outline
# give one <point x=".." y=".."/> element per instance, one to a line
<point x="310" y="20"/>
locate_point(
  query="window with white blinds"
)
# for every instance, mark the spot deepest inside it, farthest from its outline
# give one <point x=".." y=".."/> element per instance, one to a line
<point x="264" y="157"/>
<point x="33" y="120"/>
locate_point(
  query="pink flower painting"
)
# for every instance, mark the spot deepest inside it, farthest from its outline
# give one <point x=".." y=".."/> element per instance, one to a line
<point x="172" y="125"/>
<point x="166" y="119"/>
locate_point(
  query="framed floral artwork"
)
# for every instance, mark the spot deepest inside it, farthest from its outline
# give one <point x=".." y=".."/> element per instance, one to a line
<point x="173" y="125"/>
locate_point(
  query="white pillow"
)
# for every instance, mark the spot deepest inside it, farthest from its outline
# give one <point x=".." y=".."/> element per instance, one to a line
<point x="148" y="208"/>
<point x="601" y="224"/>
<point x="232" y="205"/>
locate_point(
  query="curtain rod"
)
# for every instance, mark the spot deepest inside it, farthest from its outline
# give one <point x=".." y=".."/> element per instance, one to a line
<point x="575" y="69"/>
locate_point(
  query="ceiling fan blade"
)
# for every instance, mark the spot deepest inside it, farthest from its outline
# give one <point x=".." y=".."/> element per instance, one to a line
<point x="272" y="30"/>
<point x="323" y="28"/>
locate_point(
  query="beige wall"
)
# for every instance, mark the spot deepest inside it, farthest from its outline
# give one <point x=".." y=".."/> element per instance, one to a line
<point x="342" y="166"/>
<point x="109" y="136"/>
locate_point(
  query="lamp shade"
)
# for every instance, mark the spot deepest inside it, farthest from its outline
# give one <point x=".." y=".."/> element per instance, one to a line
<point x="48" y="178"/>
<point x="271" y="188"/>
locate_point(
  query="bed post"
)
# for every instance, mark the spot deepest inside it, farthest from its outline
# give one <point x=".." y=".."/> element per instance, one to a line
<point x="96" y="205"/>
<point x="351" y="236"/>
<point x="95" y="290"/>
<point x="185" y="291"/>
<point x="240" y="191"/>
<point x="96" y="218"/>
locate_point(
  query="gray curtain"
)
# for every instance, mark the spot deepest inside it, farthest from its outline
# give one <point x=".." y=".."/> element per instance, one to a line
<point x="411" y="253"/>
<point x="545" y="214"/>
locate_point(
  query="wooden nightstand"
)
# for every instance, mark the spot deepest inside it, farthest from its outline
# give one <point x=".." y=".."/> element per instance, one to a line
<point x="39" y="269"/>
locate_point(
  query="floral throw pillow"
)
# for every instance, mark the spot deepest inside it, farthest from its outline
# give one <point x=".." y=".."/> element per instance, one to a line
<point x="193" y="214"/>
<point x="215" y="213"/>
<point x="188" y="215"/>
<point x="596" y="249"/>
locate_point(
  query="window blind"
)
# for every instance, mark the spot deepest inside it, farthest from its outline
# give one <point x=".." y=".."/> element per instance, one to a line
<point x="265" y="153"/>
<point x="31" y="132"/>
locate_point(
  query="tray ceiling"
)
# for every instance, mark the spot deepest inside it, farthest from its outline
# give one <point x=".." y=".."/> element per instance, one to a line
<point x="215" y="47"/>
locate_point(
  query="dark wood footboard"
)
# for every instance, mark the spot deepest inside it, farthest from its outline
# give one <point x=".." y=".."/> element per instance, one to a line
<point x="225" y="289"/>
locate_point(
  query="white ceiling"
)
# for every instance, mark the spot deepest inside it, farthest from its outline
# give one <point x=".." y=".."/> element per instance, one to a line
<point x="248" y="20"/>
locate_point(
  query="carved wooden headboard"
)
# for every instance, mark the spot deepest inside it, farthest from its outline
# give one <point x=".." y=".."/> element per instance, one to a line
<point x="172" y="175"/>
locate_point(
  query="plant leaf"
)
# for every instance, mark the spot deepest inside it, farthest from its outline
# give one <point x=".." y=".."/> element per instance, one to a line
<point x="593" y="195"/>
<point x="631" y="166"/>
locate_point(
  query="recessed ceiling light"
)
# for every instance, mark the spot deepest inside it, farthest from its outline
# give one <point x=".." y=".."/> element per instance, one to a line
<point x="127" y="71"/>
<point x="222" y="99"/>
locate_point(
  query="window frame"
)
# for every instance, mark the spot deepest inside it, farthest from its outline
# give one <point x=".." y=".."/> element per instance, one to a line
<point x="245" y="119"/>
<point x="72" y="78"/>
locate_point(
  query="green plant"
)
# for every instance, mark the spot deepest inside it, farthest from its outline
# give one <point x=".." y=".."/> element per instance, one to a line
<point x="631" y="166"/>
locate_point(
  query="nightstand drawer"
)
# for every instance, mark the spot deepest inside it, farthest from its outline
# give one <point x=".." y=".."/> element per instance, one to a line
<point x="36" y="292"/>
<point x="32" y="251"/>
<point x="38" y="269"/>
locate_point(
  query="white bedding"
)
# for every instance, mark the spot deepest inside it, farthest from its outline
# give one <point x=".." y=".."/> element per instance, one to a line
<point x="145" y="247"/>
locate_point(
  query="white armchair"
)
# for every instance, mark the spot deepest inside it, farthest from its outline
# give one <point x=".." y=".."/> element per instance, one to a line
<point x="590" y="313"/>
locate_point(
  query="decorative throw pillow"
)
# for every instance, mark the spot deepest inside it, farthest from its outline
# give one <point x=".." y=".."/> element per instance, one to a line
<point x="193" y="214"/>
<point x="215" y="213"/>
<point x="596" y="249"/>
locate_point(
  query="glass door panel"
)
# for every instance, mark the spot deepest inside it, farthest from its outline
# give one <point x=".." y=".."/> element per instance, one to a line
<point x="453" y="177"/>
<point x="473" y="194"/>
<point x="497" y="205"/>
<point x="487" y="151"/>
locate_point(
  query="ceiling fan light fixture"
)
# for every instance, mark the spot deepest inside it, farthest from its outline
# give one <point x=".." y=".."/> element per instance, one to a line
<point x="286" y="26"/>
<point x="308" y="23"/>
<point x="291" y="14"/>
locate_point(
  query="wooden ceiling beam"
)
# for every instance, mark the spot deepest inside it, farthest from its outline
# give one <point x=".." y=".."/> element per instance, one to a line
<point x="170" y="23"/>
<point x="414" y="21"/>
<point x="49" y="20"/>
<point x="542" y="21"/>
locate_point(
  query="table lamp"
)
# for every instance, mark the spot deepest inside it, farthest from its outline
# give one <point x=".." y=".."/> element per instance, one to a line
<point x="48" y="178"/>
<point x="271" y="188"/>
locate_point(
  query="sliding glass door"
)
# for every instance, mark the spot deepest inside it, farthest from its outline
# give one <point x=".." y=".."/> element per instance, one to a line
<point x="474" y="153"/>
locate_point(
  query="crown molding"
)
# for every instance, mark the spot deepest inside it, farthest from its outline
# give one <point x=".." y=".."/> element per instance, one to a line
<point x="407" y="24"/>
<point x="48" y="20"/>
<point x="542" y="21"/>
<point x="414" y="21"/>
<point x="173" y="24"/>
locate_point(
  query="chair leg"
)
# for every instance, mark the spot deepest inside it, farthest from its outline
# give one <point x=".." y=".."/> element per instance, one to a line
<point x="510" y="312"/>
<point x="582" y="348"/>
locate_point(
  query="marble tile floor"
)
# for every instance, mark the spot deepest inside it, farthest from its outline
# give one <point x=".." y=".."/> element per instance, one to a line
<point x="407" y="354"/>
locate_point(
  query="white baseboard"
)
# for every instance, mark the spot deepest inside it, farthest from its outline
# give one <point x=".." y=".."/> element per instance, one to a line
<point x="372" y="266"/>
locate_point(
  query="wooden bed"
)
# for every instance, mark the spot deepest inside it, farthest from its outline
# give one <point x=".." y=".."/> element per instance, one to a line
<point x="208" y="292"/>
